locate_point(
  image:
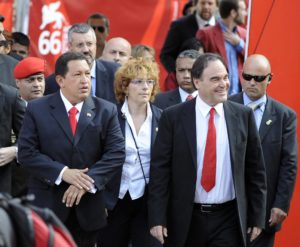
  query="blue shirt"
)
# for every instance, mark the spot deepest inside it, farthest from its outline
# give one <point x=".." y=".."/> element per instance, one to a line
<point x="258" y="113"/>
<point x="232" y="54"/>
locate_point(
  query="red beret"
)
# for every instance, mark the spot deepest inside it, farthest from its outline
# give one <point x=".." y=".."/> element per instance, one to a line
<point x="29" y="66"/>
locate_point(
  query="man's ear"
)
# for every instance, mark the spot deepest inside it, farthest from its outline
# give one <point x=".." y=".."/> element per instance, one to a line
<point x="18" y="83"/>
<point x="60" y="80"/>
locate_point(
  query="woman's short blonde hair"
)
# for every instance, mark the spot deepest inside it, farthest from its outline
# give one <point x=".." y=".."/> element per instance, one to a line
<point x="134" y="69"/>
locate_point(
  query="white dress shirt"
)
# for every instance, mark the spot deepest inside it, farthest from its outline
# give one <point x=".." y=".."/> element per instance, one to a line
<point x="93" y="79"/>
<point x="203" y="23"/>
<point x="223" y="190"/>
<point x="183" y="94"/>
<point x="132" y="179"/>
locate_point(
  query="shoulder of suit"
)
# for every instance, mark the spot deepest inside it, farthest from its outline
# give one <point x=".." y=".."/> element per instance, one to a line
<point x="156" y="110"/>
<point x="9" y="91"/>
<point x="107" y="64"/>
<point x="103" y="103"/>
<point x="185" y="19"/>
<point x="8" y="60"/>
<point x="277" y="105"/>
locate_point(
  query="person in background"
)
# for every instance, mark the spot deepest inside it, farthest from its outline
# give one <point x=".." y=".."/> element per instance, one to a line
<point x="117" y="50"/>
<point x="100" y="23"/>
<point x="136" y="85"/>
<point x="186" y="90"/>
<point x="144" y="51"/>
<point x="20" y="45"/>
<point x="277" y="125"/>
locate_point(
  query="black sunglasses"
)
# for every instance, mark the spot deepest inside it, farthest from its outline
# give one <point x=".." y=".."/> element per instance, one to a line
<point x="257" y="78"/>
<point x="99" y="28"/>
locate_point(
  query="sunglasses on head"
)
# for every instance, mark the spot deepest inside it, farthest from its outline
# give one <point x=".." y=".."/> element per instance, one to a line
<point x="257" y="78"/>
<point x="100" y="29"/>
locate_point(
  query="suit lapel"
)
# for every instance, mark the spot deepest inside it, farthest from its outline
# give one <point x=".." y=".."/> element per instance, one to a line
<point x="86" y="116"/>
<point x="220" y="42"/>
<point x="188" y="120"/>
<point x="58" y="111"/>
<point x="268" y="119"/>
<point x="175" y="97"/>
<point x="232" y="121"/>
<point x="154" y="126"/>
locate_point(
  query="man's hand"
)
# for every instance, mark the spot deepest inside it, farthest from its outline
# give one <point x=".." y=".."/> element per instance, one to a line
<point x="159" y="232"/>
<point x="7" y="155"/>
<point x="254" y="231"/>
<point x="277" y="216"/>
<point x="72" y="194"/>
<point x="78" y="178"/>
<point x="232" y="38"/>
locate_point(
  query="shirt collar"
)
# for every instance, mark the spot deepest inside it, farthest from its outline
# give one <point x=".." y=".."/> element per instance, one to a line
<point x="224" y="27"/>
<point x="261" y="101"/>
<point x="93" y="70"/>
<point x="184" y="94"/>
<point x="201" y="23"/>
<point x="125" y="110"/>
<point x="68" y="105"/>
<point x="205" y="108"/>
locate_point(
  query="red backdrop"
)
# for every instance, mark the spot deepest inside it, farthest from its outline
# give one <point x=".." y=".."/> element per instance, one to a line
<point x="6" y="10"/>
<point x="276" y="36"/>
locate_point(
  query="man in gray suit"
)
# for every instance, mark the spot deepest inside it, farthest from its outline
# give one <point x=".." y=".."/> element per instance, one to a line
<point x="207" y="177"/>
<point x="277" y="129"/>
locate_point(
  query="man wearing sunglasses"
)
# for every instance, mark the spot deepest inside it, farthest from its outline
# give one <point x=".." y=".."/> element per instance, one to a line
<point x="100" y="24"/>
<point x="277" y="129"/>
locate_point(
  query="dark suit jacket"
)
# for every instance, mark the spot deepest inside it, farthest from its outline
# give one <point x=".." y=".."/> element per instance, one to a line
<point x="113" y="187"/>
<point x="174" y="162"/>
<point x="46" y="145"/>
<point x="213" y="41"/>
<point x="12" y="109"/>
<point x="279" y="144"/>
<point x="105" y="75"/>
<point x="7" y="65"/>
<point x="180" y="31"/>
<point x="167" y="99"/>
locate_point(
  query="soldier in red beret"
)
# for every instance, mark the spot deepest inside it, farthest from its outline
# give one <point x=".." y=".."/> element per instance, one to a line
<point x="30" y="77"/>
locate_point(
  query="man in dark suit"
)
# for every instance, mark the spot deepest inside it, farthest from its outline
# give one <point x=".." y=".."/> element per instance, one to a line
<point x="186" y="90"/>
<point x="12" y="109"/>
<point x="184" y="29"/>
<point x="71" y="162"/>
<point x="227" y="38"/>
<point x="7" y="65"/>
<point x="82" y="38"/>
<point x="277" y="125"/>
<point x="206" y="193"/>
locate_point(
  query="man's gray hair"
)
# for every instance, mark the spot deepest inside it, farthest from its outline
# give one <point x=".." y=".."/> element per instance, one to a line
<point x="79" y="28"/>
<point x="189" y="54"/>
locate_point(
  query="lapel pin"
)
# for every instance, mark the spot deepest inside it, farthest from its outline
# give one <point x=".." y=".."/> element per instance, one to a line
<point x="156" y="129"/>
<point x="269" y="122"/>
<point x="88" y="114"/>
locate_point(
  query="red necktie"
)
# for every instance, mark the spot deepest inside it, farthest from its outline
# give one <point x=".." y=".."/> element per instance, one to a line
<point x="189" y="97"/>
<point x="72" y="118"/>
<point x="208" y="178"/>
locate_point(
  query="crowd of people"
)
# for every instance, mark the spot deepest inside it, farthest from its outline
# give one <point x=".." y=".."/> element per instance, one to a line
<point x="210" y="162"/>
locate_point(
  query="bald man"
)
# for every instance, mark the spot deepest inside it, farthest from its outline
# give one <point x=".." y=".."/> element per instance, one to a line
<point x="277" y="129"/>
<point x="117" y="50"/>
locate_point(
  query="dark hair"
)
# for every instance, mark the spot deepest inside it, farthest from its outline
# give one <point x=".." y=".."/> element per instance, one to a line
<point x="191" y="44"/>
<point x="99" y="16"/>
<point x="20" y="38"/>
<point x="202" y="63"/>
<point x="79" y="28"/>
<point x="226" y="6"/>
<point x="189" y="54"/>
<point x="61" y="65"/>
<point x="2" y="18"/>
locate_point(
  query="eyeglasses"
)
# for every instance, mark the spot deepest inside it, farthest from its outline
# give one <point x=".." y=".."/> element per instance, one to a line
<point x="257" y="78"/>
<point x="141" y="82"/>
<point x="99" y="28"/>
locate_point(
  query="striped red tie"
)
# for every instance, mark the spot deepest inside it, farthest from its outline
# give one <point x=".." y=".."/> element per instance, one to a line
<point x="208" y="178"/>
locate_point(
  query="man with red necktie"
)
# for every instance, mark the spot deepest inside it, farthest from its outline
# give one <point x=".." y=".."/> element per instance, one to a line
<point x="207" y="178"/>
<point x="72" y="145"/>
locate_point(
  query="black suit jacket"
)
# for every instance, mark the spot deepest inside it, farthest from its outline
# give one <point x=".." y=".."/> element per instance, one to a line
<point x="46" y="145"/>
<point x="12" y="109"/>
<point x="167" y="99"/>
<point x="105" y="75"/>
<point x="7" y="65"/>
<point x="280" y="149"/>
<point x="113" y="187"/>
<point x="174" y="162"/>
<point x="180" y="31"/>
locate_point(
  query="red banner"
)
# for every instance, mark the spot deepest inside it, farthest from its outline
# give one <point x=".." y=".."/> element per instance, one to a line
<point x="144" y="21"/>
<point x="276" y="36"/>
<point x="6" y="10"/>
